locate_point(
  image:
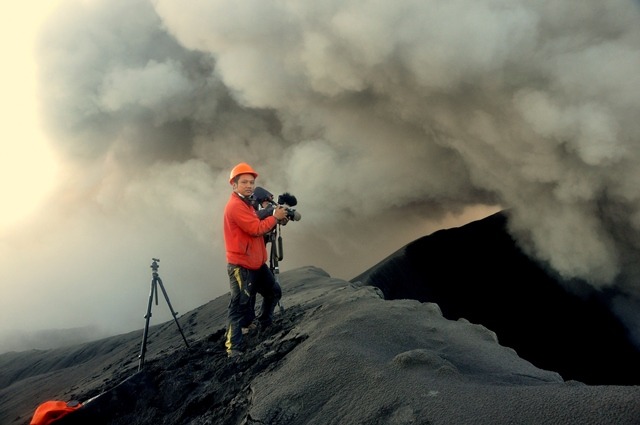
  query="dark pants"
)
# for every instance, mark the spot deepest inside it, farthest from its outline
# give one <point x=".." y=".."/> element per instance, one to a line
<point x="244" y="285"/>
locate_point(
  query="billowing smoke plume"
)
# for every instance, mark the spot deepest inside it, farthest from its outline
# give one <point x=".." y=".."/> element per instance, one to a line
<point x="381" y="117"/>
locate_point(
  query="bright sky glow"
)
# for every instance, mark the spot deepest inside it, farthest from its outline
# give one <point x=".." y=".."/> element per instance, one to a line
<point x="27" y="165"/>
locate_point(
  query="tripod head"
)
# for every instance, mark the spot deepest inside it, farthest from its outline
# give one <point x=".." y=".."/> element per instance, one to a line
<point x="154" y="265"/>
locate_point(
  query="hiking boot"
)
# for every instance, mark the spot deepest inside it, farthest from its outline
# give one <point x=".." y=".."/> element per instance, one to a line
<point x="252" y="327"/>
<point x="234" y="353"/>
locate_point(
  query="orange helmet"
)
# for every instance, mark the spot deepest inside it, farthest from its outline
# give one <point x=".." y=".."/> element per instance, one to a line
<point x="242" y="168"/>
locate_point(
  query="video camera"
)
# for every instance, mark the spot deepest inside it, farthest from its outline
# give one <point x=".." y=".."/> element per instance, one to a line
<point x="287" y="200"/>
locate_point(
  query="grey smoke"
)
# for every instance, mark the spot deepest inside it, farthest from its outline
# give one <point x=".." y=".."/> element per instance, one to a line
<point x="386" y="120"/>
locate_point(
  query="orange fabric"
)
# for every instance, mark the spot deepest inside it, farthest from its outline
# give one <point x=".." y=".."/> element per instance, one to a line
<point x="50" y="411"/>
<point x="243" y="232"/>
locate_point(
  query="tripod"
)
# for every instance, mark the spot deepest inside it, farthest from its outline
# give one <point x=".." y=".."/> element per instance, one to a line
<point x="155" y="281"/>
<point x="275" y="257"/>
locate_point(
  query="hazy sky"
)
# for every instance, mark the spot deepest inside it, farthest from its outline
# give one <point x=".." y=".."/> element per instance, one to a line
<point x="27" y="167"/>
<point x="386" y="120"/>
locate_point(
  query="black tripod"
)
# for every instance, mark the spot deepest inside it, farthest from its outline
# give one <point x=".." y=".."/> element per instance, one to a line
<point x="275" y="257"/>
<point x="155" y="281"/>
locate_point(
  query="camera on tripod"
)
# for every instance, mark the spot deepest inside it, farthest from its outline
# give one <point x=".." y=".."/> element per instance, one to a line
<point x="286" y="200"/>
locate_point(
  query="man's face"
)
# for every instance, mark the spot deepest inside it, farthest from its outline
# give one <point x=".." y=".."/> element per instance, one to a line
<point x="246" y="184"/>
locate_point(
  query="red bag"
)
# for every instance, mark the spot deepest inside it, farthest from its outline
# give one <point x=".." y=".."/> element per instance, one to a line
<point x="50" y="411"/>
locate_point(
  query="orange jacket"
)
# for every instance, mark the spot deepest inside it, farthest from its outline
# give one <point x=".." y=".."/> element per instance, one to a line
<point x="243" y="233"/>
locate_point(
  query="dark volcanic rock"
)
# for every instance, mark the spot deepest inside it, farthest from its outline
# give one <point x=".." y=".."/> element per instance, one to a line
<point x="349" y="352"/>
<point x="196" y="383"/>
<point x="477" y="272"/>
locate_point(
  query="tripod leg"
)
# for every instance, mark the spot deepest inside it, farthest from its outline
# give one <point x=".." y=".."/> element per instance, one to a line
<point x="143" y="348"/>
<point x="173" y="313"/>
<point x="280" y="305"/>
<point x="275" y="269"/>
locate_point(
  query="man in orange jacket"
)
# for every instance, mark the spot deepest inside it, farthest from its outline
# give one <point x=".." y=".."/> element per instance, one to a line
<point x="246" y="257"/>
